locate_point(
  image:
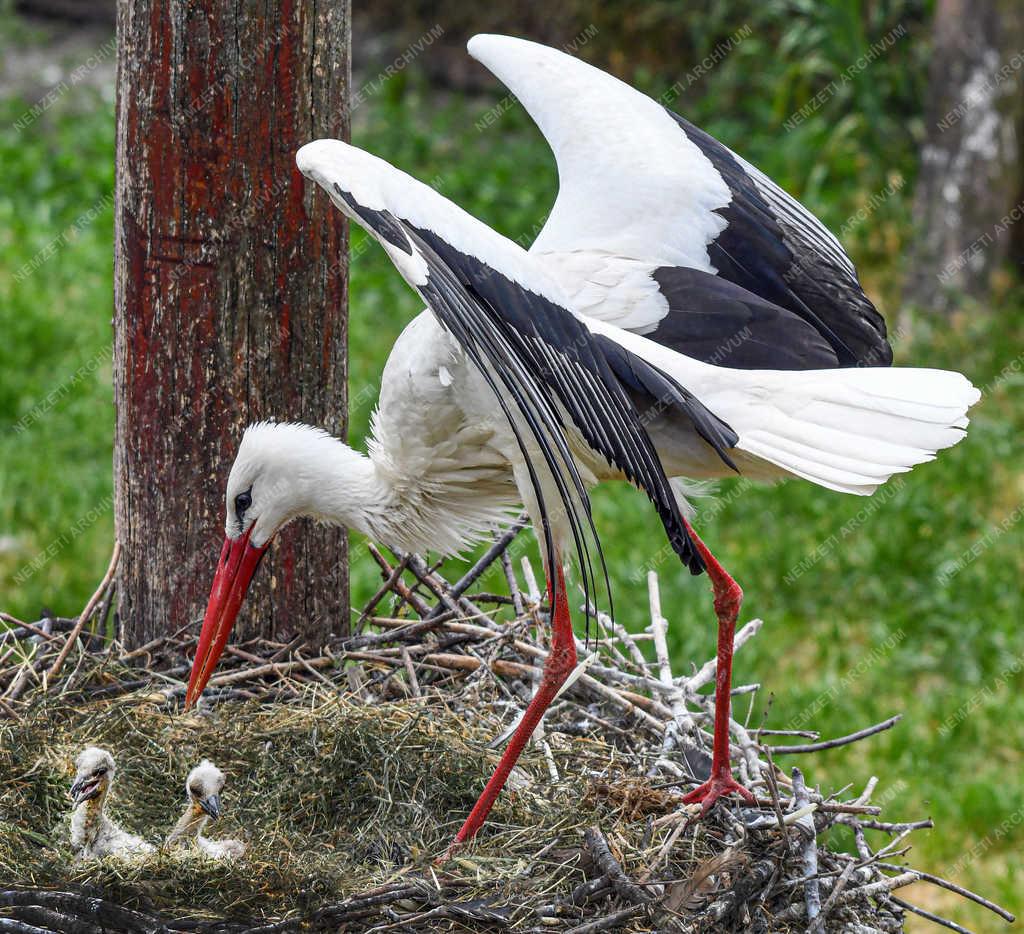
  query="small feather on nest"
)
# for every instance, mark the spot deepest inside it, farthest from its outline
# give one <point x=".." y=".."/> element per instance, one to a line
<point x="708" y="878"/>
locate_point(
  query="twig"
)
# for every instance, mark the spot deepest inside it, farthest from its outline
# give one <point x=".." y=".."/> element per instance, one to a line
<point x="273" y="668"/>
<point x="86" y="613"/>
<point x="513" y="584"/>
<point x="959" y="890"/>
<point x="773" y="791"/>
<point x="387" y="587"/>
<point x="31" y="628"/>
<point x="809" y="854"/>
<point x="659" y="627"/>
<point x="840" y="740"/>
<point x="881" y="887"/>
<point x="609" y="921"/>
<point x="105" y="912"/>
<point x="627" y="638"/>
<point x="410" y="671"/>
<point x="104" y="611"/>
<point x="531" y="581"/>
<point x="897" y="827"/>
<point x="938" y="919"/>
<point x="416" y="602"/>
<point x="831" y="807"/>
<point x="837" y="889"/>
<point x="488" y="557"/>
<point x="609" y="865"/>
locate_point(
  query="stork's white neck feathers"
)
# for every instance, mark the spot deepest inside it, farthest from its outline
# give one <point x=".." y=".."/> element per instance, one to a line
<point x="297" y="470"/>
<point x="88" y="823"/>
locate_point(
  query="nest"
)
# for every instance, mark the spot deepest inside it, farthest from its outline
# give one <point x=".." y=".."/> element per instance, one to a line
<point x="351" y="768"/>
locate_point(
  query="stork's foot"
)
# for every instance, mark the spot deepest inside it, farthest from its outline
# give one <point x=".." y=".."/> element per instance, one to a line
<point x="453" y="848"/>
<point x="714" y="788"/>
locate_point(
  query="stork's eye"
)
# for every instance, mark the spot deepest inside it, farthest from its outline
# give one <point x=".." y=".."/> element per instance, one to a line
<point x="101" y="771"/>
<point x="242" y="502"/>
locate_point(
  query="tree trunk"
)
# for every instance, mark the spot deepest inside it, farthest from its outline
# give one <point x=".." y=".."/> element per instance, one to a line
<point x="968" y="209"/>
<point x="229" y="293"/>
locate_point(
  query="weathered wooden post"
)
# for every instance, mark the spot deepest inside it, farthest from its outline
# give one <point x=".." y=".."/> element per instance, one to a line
<point x="229" y="293"/>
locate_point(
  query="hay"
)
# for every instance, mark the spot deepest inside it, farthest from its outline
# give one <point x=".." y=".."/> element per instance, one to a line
<point x="331" y="797"/>
<point x="350" y="770"/>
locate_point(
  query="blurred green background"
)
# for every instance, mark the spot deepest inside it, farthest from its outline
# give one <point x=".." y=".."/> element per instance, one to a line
<point x="910" y="602"/>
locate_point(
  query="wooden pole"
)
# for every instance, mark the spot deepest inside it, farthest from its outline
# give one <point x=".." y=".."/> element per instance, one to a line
<point x="229" y="293"/>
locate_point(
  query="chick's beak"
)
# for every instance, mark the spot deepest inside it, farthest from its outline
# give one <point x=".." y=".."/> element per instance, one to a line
<point x="235" y="570"/>
<point x="83" y="789"/>
<point x="211" y="804"/>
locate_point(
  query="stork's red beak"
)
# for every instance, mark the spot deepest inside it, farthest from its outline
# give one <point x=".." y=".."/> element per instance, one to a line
<point x="235" y="570"/>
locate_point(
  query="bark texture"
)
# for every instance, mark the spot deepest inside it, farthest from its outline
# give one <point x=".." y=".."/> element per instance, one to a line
<point x="968" y="208"/>
<point x="229" y="291"/>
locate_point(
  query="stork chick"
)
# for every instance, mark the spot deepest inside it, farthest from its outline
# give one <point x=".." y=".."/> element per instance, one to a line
<point x="202" y="803"/>
<point x="93" y="833"/>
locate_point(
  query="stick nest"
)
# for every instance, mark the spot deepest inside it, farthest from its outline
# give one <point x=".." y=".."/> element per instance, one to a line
<point x="350" y="769"/>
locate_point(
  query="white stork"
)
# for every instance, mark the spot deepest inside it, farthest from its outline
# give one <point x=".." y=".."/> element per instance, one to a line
<point x="679" y="316"/>
<point x="93" y="834"/>
<point x="202" y="804"/>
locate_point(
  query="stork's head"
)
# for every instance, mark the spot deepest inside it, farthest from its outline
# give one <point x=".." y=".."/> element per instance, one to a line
<point x="281" y="471"/>
<point x="203" y="787"/>
<point x="94" y="771"/>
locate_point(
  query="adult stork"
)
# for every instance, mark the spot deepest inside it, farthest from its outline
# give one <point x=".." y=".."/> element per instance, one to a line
<point x="679" y="316"/>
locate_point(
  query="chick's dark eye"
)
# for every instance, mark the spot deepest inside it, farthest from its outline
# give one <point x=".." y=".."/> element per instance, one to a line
<point x="242" y="502"/>
<point x="102" y="770"/>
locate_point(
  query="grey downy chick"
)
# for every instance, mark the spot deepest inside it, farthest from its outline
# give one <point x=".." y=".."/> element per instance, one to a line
<point x="93" y="834"/>
<point x="202" y="803"/>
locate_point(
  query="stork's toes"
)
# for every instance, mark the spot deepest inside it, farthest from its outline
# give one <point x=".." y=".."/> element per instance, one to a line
<point x="453" y="848"/>
<point x="714" y="788"/>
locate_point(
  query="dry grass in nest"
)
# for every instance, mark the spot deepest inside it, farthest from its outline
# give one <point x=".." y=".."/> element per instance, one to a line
<point x="332" y="798"/>
<point x="351" y="769"/>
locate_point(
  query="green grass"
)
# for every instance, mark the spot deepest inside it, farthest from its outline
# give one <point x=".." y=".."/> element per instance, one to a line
<point x="872" y="626"/>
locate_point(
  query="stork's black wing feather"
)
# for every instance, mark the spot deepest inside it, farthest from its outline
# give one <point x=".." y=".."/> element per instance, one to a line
<point x="656" y="391"/>
<point x="716" y="321"/>
<point x="778" y="250"/>
<point x="548" y="363"/>
<point x="573" y="369"/>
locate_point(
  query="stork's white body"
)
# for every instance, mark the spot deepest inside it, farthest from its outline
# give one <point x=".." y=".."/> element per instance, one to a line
<point x="636" y="194"/>
<point x="94" y="835"/>
<point x="844" y="429"/>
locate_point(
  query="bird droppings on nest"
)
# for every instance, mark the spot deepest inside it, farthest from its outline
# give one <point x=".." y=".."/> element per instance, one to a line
<point x="350" y="769"/>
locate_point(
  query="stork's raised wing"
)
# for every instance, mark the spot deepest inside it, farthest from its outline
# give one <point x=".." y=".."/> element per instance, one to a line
<point x="638" y="181"/>
<point x="538" y="356"/>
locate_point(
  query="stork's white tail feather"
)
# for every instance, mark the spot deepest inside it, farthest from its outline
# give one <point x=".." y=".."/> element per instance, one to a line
<point x="852" y="429"/>
<point x="844" y="429"/>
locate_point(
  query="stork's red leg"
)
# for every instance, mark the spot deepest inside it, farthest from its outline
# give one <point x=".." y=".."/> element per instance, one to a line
<point x="728" y="597"/>
<point x="560" y="662"/>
